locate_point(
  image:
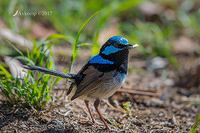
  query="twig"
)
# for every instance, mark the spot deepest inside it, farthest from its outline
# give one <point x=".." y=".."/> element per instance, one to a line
<point x="139" y="92"/>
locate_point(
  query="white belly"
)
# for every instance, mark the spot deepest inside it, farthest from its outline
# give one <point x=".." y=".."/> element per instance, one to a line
<point x="108" y="88"/>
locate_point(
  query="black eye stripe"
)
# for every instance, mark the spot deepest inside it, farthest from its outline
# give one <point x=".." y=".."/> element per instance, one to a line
<point x="114" y="43"/>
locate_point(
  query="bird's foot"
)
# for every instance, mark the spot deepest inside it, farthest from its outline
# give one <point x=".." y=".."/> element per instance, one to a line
<point x="101" y="124"/>
<point x="110" y="129"/>
<point x="98" y="123"/>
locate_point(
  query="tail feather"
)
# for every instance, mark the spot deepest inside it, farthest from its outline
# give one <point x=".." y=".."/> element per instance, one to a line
<point x="49" y="71"/>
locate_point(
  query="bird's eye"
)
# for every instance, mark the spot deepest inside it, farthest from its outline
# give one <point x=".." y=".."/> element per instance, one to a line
<point x="117" y="45"/>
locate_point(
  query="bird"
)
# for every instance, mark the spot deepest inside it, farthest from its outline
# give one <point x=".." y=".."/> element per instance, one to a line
<point x="100" y="77"/>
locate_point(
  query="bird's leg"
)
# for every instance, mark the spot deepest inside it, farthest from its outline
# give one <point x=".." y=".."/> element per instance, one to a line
<point x="96" y="104"/>
<point x="87" y="105"/>
<point x="93" y="120"/>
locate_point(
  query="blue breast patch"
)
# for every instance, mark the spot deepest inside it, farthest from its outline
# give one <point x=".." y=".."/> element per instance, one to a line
<point x="110" y="49"/>
<point x="123" y="75"/>
<point x="98" y="59"/>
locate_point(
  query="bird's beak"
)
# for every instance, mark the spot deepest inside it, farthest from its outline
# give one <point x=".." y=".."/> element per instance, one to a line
<point x="132" y="46"/>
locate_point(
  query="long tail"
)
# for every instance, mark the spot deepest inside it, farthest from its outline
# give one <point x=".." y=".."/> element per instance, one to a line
<point x="49" y="71"/>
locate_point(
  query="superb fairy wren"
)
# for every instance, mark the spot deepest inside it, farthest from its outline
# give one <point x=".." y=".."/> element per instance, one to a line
<point x="101" y="76"/>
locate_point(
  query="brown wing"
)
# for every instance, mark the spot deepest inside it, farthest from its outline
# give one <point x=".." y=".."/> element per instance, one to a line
<point x="93" y="78"/>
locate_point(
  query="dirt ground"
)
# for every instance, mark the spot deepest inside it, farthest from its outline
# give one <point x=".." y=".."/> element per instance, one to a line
<point x="169" y="108"/>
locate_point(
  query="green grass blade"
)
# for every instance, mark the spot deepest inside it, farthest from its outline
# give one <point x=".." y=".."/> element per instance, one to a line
<point x="76" y="46"/>
<point x="57" y="36"/>
<point x="26" y="59"/>
<point x="5" y="72"/>
<point x="14" y="47"/>
<point x="194" y="130"/>
<point x="95" y="46"/>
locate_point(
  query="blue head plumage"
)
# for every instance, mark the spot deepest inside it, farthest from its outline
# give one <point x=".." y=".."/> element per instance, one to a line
<point x="120" y="40"/>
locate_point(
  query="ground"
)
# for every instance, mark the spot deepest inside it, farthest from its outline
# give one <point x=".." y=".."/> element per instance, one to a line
<point x="164" y="106"/>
